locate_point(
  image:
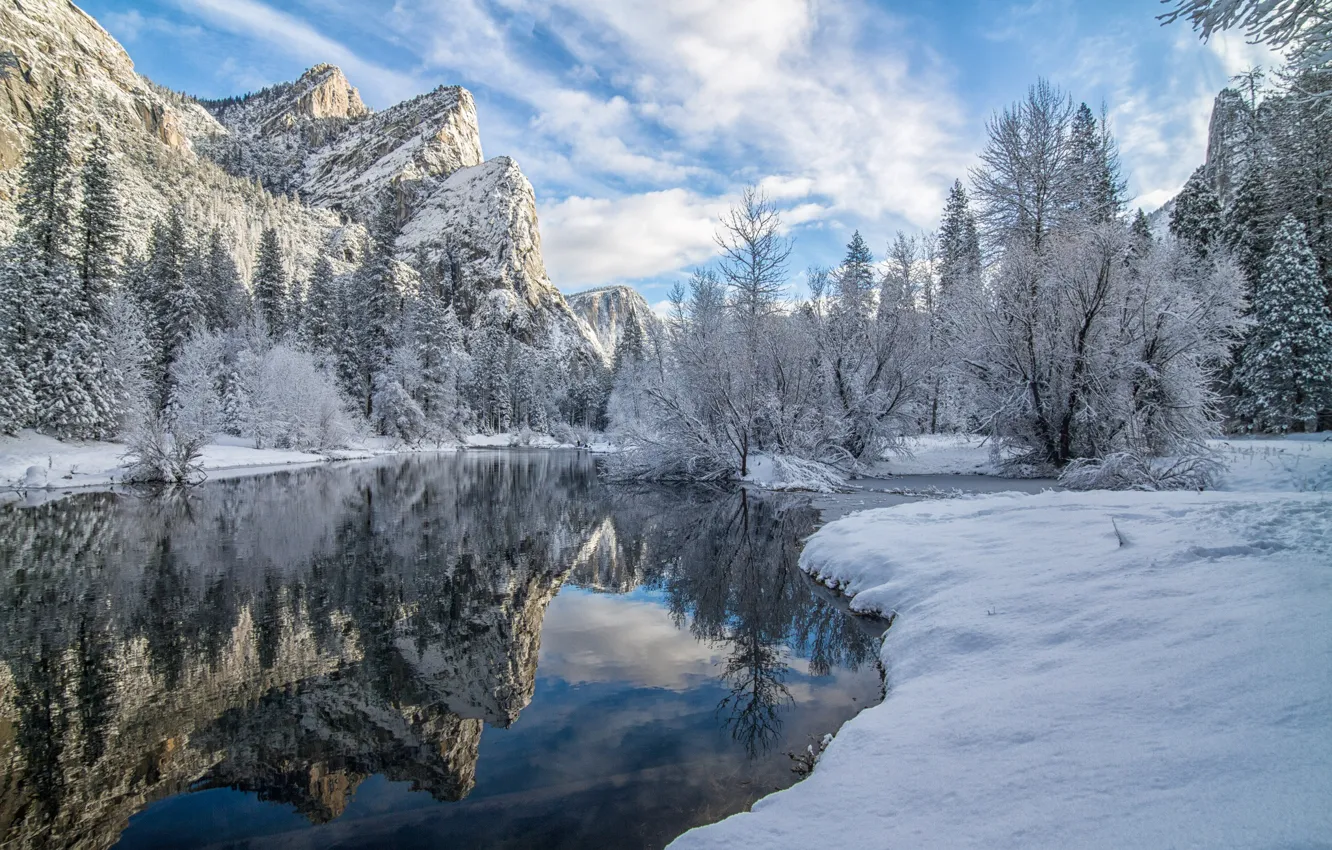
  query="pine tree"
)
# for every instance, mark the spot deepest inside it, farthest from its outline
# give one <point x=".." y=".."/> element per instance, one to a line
<point x="322" y="303"/>
<point x="1286" y="368"/>
<point x="17" y="319"/>
<point x="224" y="298"/>
<point x="1095" y="163"/>
<point x="377" y="298"/>
<point x="438" y="338"/>
<point x="46" y="204"/>
<point x="1247" y="227"/>
<point x="270" y="284"/>
<point x="959" y="244"/>
<point x="1196" y="219"/>
<point x="99" y="224"/>
<point x="175" y="308"/>
<point x="629" y="350"/>
<point x="855" y="277"/>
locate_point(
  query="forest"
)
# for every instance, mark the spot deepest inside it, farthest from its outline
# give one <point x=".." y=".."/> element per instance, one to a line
<point x="1086" y="339"/>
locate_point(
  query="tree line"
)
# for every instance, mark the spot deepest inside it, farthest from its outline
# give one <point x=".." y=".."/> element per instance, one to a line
<point x="100" y="340"/>
<point x="1040" y="313"/>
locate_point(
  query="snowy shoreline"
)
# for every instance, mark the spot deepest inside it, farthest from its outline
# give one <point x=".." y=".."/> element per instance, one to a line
<point x="1051" y="686"/>
<point x="34" y="462"/>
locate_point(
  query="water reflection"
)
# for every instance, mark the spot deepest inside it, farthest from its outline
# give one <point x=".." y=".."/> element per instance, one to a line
<point x="333" y="641"/>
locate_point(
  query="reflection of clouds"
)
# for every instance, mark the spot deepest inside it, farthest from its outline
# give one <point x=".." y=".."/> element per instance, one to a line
<point x="588" y="637"/>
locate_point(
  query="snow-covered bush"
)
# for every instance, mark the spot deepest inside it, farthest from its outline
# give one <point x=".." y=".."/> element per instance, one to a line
<point x="296" y="404"/>
<point x="162" y="451"/>
<point x="1134" y="471"/>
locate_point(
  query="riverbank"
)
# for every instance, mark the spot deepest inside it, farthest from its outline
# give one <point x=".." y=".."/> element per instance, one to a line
<point x="1084" y="670"/>
<point x="32" y="461"/>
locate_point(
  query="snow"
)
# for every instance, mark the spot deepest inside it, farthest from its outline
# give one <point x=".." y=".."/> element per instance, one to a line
<point x="779" y="472"/>
<point x="33" y="461"/>
<point x="1050" y="687"/>
<point x="936" y="454"/>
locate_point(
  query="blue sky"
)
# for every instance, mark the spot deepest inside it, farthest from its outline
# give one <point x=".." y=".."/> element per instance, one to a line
<point x="638" y="121"/>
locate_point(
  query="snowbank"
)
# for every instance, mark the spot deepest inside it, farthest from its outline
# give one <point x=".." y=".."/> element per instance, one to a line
<point x="33" y="461"/>
<point x="1298" y="462"/>
<point x="1050" y="687"/>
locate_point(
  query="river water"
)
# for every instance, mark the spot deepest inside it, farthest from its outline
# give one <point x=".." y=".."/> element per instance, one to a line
<point x="485" y="649"/>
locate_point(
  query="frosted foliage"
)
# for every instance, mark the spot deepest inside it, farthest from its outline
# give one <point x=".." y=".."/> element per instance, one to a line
<point x="1089" y="348"/>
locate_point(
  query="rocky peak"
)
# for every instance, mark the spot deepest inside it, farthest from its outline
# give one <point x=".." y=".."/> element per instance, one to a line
<point x="410" y="146"/>
<point x="1230" y="142"/>
<point x="609" y="309"/>
<point x="321" y="94"/>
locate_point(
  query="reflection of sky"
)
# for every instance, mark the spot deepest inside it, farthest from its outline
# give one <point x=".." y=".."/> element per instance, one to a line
<point x="621" y="745"/>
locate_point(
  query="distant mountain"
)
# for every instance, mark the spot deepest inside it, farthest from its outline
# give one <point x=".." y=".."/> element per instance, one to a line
<point x="608" y="309"/>
<point x="307" y="158"/>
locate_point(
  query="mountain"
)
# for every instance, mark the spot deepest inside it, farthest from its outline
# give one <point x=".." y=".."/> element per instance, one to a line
<point x="607" y="309"/>
<point x="307" y="158"/>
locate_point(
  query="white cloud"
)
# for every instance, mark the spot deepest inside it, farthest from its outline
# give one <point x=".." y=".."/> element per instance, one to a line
<point x="589" y="241"/>
<point x="298" y="39"/>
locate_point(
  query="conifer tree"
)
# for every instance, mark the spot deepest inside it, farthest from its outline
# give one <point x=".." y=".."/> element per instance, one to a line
<point x="322" y="328"/>
<point x="176" y="309"/>
<point x="99" y="224"/>
<point x="959" y="244"/>
<point x="1286" y="369"/>
<point x="855" y="277"/>
<point x="438" y="338"/>
<point x="629" y="350"/>
<point x="224" y="298"/>
<point x="1095" y="164"/>
<point x="1196" y="219"/>
<point x="1247" y="227"/>
<point x="270" y="284"/>
<point x="46" y="204"/>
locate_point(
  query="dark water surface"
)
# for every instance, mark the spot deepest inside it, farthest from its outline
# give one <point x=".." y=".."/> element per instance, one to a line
<point x="490" y="649"/>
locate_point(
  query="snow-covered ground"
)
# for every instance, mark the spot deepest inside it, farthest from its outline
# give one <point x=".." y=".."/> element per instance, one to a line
<point x="32" y="461"/>
<point x="1050" y="686"/>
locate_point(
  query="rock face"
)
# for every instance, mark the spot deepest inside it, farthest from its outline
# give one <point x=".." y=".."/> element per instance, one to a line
<point x="1229" y="143"/>
<point x="152" y="132"/>
<point x="306" y="157"/>
<point x="608" y="309"/>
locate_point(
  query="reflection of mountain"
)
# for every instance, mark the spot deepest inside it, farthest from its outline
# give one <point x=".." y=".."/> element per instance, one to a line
<point x="287" y="635"/>
<point x="292" y="635"/>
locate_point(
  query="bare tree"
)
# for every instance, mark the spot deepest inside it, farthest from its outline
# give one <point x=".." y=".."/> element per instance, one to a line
<point x="1027" y="183"/>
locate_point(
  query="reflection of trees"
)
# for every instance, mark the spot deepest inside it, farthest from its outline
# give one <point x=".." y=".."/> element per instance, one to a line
<point x="287" y="635"/>
<point x="729" y="566"/>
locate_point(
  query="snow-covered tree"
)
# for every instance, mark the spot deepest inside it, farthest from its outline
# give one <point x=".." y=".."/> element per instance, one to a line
<point x="1286" y="366"/>
<point x="174" y="305"/>
<point x="1303" y="26"/>
<point x="1095" y="164"/>
<point x="269" y="284"/>
<point x="1196" y="218"/>
<point x="1027" y="182"/>
<point x="323" y="303"/>
<point x="99" y="223"/>
<point x="959" y="245"/>
<point x="225" y="302"/>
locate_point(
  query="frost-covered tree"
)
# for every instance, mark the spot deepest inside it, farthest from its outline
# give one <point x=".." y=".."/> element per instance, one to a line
<point x="1093" y="349"/>
<point x="1247" y="226"/>
<point x="323" y="302"/>
<point x="1196" y="218"/>
<point x="438" y="337"/>
<point x="375" y="292"/>
<point x="173" y="303"/>
<point x="269" y="284"/>
<point x="225" y="302"/>
<point x="1094" y="160"/>
<point x="128" y="358"/>
<point x="1027" y="182"/>
<point x="1286" y="367"/>
<point x="959" y="245"/>
<point x="99" y="223"/>
<point x="1303" y="26"/>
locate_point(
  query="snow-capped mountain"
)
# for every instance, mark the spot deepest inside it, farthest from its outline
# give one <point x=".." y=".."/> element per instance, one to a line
<point x="608" y="309"/>
<point x="307" y="158"/>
